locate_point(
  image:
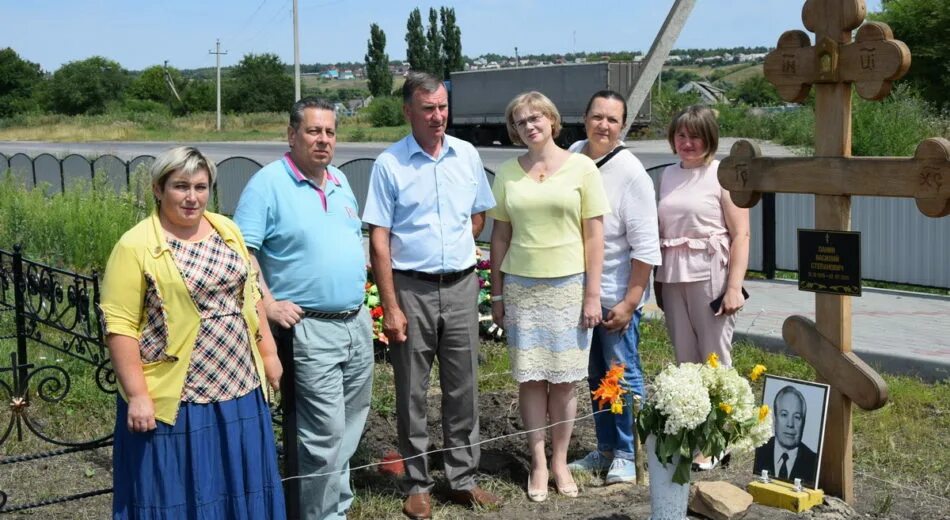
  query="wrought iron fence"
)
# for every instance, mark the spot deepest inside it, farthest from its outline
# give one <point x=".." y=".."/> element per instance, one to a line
<point x="45" y="309"/>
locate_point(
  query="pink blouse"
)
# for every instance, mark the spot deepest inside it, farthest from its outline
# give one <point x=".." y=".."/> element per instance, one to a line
<point x="693" y="233"/>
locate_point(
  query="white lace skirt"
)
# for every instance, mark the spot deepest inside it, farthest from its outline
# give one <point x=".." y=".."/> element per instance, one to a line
<point x="542" y="322"/>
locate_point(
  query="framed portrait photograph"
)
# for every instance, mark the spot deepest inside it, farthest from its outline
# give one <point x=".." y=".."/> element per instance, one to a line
<point x="799" y="409"/>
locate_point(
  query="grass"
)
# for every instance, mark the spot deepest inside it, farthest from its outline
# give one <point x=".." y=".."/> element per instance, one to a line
<point x="267" y="126"/>
<point x="901" y="442"/>
<point x="74" y="229"/>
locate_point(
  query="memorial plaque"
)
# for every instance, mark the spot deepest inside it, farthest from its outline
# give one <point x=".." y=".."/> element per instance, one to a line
<point x="829" y="261"/>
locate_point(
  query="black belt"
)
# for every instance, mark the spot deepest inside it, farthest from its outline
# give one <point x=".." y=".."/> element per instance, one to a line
<point x="436" y="277"/>
<point x="320" y="315"/>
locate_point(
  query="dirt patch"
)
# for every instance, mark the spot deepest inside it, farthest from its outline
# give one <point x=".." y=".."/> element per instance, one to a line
<point x="504" y="466"/>
<point x="503" y="470"/>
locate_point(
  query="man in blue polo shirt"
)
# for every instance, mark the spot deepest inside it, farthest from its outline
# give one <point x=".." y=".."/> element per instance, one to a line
<point x="426" y="204"/>
<point x="300" y="218"/>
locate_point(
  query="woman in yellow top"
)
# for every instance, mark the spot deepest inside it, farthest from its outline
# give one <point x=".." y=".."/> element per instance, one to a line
<point x="547" y="249"/>
<point x="182" y="311"/>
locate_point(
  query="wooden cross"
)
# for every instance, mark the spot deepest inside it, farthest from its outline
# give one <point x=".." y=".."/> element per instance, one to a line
<point x="870" y="62"/>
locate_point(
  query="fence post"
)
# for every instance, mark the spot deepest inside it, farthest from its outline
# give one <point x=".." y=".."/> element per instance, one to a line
<point x="768" y="235"/>
<point x="19" y="303"/>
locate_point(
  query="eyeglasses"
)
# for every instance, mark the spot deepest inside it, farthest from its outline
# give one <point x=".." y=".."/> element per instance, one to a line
<point x="533" y="119"/>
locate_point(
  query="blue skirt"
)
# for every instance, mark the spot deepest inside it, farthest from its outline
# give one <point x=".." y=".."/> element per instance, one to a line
<point x="218" y="461"/>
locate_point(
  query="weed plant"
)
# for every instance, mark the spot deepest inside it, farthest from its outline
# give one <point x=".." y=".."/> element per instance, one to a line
<point x="892" y="127"/>
<point x="74" y="230"/>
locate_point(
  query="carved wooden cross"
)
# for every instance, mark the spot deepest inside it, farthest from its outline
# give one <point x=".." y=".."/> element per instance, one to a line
<point x="870" y="62"/>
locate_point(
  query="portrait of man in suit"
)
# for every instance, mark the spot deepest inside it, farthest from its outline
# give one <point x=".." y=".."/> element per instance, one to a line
<point x="785" y="456"/>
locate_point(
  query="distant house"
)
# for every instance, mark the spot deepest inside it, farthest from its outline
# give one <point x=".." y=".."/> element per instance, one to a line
<point x="708" y="94"/>
<point x="330" y="74"/>
<point x="347" y="74"/>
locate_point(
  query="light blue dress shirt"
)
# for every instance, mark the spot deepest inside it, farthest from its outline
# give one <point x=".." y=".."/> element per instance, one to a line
<point x="427" y="203"/>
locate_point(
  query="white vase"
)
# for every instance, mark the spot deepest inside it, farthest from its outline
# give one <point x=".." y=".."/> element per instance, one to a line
<point x="668" y="500"/>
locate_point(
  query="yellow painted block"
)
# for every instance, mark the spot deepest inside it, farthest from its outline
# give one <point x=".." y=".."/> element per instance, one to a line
<point x="783" y="495"/>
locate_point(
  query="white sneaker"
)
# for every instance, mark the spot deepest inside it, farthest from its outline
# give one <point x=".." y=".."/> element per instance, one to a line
<point x="621" y="470"/>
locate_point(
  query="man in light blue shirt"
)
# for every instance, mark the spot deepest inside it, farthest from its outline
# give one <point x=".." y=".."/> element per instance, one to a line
<point x="300" y="218"/>
<point x="426" y="203"/>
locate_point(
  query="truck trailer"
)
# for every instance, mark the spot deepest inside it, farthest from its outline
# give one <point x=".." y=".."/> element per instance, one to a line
<point x="478" y="98"/>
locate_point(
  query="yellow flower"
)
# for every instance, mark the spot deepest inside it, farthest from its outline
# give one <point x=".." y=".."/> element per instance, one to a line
<point x="757" y="372"/>
<point x="713" y="360"/>
<point x="617" y="406"/>
<point x="763" y="412"/>
<point x="726" y="407"/>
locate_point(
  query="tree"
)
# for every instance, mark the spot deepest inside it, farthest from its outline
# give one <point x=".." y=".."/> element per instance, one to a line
<point x="924" y="25"/>
<point x="18" y="78"/>
<point x="756" y="91"/>
<point x="152" y="85"/>
<point x="451" y="43"/>
<point x="86" y="86"/>
<point x="200" y="96"/>
<point x="416" y="42"/>
<point x="434" y="43"/>
<point x="377" y="63"/>
<point x="259" y="83"/>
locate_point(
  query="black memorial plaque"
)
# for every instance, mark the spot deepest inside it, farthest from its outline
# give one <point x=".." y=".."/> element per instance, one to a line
<point x="829" y="261"/>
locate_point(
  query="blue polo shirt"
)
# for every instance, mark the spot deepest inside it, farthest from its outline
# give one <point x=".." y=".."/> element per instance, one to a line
<point x="309" y="241"/>
<point x="427" y="203"/>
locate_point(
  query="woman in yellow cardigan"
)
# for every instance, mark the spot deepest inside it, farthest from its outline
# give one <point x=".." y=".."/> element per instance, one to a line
<point x="193" y="436"/>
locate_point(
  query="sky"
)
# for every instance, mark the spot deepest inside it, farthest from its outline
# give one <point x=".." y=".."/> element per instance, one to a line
<point x="138" y="33"/>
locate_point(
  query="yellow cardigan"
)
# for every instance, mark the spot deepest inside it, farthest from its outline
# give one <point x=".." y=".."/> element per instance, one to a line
<point x="143" y="252"/>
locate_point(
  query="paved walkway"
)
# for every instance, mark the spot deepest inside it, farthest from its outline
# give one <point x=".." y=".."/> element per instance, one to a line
<point x="894" y="331"/>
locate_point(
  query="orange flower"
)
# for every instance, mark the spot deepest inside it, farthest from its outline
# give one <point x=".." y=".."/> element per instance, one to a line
<point x="713" y="360"/>
<point x="609" y="391"/>
<point x="376" y="313"/>
<point x="763" y="412"/>
<point x="368" y="286"/>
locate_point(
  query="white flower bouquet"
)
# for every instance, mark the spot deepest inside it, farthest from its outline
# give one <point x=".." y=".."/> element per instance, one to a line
<point x="704" y="409"/>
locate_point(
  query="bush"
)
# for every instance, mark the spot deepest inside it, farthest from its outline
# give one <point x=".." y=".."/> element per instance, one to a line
<point x="666" y="104"/>
<point x="385" y="111"/>
<point x="892" y="127"/>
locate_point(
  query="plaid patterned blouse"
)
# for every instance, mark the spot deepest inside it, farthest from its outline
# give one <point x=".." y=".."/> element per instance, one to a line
<point x="221" y="366"/>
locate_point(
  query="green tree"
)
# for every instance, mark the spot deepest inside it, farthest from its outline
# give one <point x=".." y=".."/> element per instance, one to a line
<point x="451" y="43"/>
<point x="18" y="78"/>
<point x="434" y="44"/>
<point x="200" y="96"/>
<point x="152" y="85"/>
<point x="377" y="63"/>
<point x="416" y="53"/>
<point x="86" y="86"/>
<point x="259" y="83"/>
<point x="924" y="25"/>
<point x="756" y="91"/>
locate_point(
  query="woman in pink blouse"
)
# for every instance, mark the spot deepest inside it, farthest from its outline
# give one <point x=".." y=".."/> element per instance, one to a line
<point x="704" y="240"/>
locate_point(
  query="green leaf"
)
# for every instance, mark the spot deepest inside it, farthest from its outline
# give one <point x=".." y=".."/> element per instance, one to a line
<point x="681" y="475"/>
<point x="90" y="472"/>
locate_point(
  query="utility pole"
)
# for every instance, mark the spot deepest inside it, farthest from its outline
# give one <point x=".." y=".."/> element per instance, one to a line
<point x="296" y="57"/>
<point x="652" y="64"/>
<point x="217" y="55"/>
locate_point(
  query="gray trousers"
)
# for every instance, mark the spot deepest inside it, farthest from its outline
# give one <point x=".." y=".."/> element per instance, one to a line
<point x="333" y="361"/>
<point x="443" y="324"/>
